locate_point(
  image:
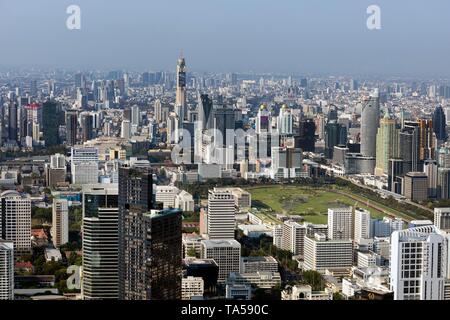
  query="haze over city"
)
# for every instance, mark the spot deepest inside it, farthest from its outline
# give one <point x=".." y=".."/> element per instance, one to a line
<point x="313" y="37"/>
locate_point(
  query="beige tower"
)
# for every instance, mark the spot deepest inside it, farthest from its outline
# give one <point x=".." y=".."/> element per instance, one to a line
<point x="180" y="102"/>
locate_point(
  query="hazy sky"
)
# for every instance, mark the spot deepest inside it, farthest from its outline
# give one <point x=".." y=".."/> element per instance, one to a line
<point x="298" y="36"/>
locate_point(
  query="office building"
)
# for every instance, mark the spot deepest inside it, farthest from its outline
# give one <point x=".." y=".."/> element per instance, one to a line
<point x="221" y="215"/>
<point x="15" y="221"/>
<point x="226" y="253"/>
<point x="416" y="186"/>
<point x="207" y="269"/>
<point x="362" y="224"/>
<point x="370" y="118"/>
<point x="418" y="264"/>
<point x="293" y="237"/>
<point x="442" y="219"/>
<point x="340" y="223"/>
<point x="6" y="270"/>
<point x="100" y="242"/>
<point x="323" y="254"/>
<point x="259" y="264"/>
<point x="60" y="222"/>
<point x="192" y="287"/>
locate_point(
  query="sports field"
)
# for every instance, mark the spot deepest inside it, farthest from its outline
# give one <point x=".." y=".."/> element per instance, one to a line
<point x="310" y="203"/>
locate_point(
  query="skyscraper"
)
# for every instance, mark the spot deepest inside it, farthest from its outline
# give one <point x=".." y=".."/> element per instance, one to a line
<point x="285" y="121"/>
<point x="335" y="134"/>
<point x="12" y="121"/>
<point x="340" y="223"/>
<point x="387" y="144"/>
<point x="87" y="127"/>
<point x="158" y="112"/>
<point x="418" y="264"/>
<point x="50" y="123"/>
<point x="205" y="111"/>
<point x="100" y="242"/>
<point x="369" y="124"/>
<point x="362" y="224"/>
<point x="6" y="270"/>
<point x="180" y="102"/>
<point x="440" y="124"/>
<point x="221" y="215"/>
<point x="71" y="127"/>
<point x="60" y="222"/>
<point x="15" y="221"/>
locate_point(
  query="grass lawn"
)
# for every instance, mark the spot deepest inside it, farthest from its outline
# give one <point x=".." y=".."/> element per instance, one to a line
<point x="310" y="203"/>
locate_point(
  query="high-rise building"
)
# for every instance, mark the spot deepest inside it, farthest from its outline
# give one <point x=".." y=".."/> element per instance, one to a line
<point x="125" y="131"/>
<point x="369" y="124"/>
<point x="205" y="111"/>
<point x="335" y="134"/>
<point x="100" y="242"/>
<point x="285" y="121"/>
<point x="340" y="223"/>
<point x="155" y="257"/>
<point x="158" y="112"/>
<point x="87" y="127"/>
<point x="135" y="115"/>
<point x="6" y="270"/>
<point x="443" y="183"/>
<point x="154" y="252"/>
<point x="15" y="221"/>
<point x="416" y="186"/>
<point x="263" y="120"/>
<point x="427" y="142"/>
<point x="226" y="253"/>
<point x="442" y="219"/>
<point x="180" y="102"/>
<point x="387" y="144"/>
<point x="306" y="138"/>
<point x="12" y="121"/>
<point x="221" y="215"/>
<point x="418" y="264"/>
<point x="50" y="123"/>
<point x="293" y="237"/>
<point x="362" y="224"/>
<point x="84" y="165"/>
<point x="71" y="127"/>
<point x="322" y="253"/>
<point x="430" y="168"/>
<point x="60" y="222"/>
<point x="440" y="124"/>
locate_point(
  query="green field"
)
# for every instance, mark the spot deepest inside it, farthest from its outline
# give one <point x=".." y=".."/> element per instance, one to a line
<point x="310" y="203"/>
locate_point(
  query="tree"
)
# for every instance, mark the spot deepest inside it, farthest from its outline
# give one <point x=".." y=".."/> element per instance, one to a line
<point x="314" y="279"/>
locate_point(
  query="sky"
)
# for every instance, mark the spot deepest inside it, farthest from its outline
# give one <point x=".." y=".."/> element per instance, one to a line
<point x="280" y="36"/>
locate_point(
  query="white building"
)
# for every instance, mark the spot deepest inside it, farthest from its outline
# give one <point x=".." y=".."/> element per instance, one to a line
<point x="191" y="287"/>
<point x="322" y="253"/>
<point x="226" y="253"/>
<point x="60" y="222"/>
<point x="278" y="236"/>
<point x="260" y="279"/>
<point x="304" y="292"/>
<point x="340" y="223"/>
<point x="84" y="173"/>
<point x="419" y="263"/>
<point x="15" y="221"/>
<point x="362" y="224"/>
<point x="84" y="165"/>
<point x="185" y="201"/>
<point x="293" y="237"/>
<point x="366" y="259"/>
<point x="125" y="132"/>
<point x="243" y="199"/>
<point x="166" y="195"/>
<point x="442" y="218"/>
<point x="6" y="270"/>
<point x="221" y="215"/>
<point x="256" y="264"/>
<point x="57" y="161"/>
